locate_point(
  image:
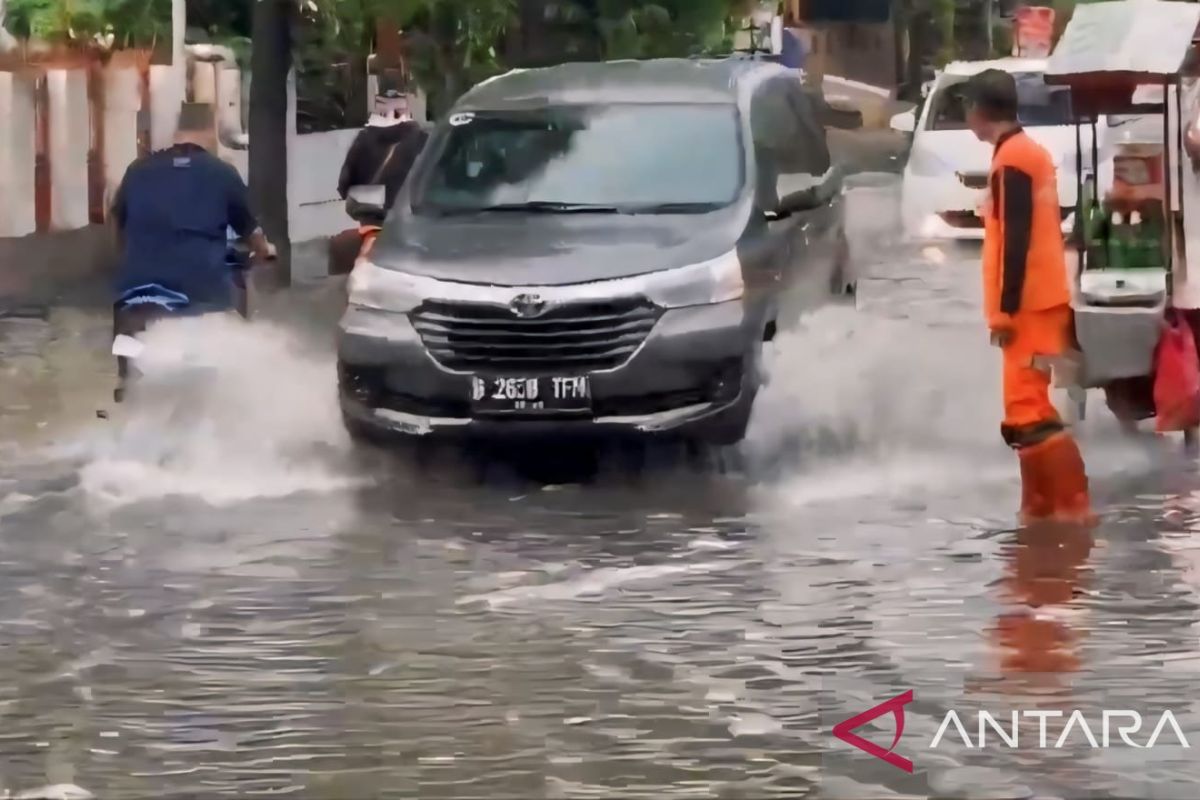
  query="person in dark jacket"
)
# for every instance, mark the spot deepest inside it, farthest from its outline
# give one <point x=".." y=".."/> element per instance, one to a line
<point x="384" y="151"/>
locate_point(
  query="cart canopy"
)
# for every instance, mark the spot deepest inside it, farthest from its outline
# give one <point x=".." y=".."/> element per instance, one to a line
<point x="1110" y="49"/>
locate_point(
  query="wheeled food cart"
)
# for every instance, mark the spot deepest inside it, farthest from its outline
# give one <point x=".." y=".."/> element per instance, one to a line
<point x="1120" y="59"/>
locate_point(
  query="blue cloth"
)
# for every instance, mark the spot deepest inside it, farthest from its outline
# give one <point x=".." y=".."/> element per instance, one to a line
<point x="793" y="54"/>
<point x="175" y="208"/>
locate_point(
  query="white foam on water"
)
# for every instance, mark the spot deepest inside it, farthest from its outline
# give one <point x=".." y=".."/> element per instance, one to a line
<point x="594" y="583"/>
<point x="225" y="411"/>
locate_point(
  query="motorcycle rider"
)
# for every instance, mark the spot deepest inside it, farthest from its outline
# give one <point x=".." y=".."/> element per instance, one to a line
<point x="384" y="151"/>
<point x="172" y="212"/>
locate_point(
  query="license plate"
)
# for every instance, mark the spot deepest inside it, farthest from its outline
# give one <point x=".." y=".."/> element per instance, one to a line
<point x="531" y="394"/>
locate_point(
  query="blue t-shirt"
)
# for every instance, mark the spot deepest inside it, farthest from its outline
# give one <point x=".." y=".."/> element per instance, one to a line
<point x="174" y="208"/>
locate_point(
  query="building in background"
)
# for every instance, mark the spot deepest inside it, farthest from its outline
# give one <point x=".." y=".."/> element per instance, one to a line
<point x="852" y="39"/>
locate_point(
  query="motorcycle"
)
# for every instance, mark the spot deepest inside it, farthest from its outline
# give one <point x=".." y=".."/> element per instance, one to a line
<point x="238" y="258"/>
<point x="133" y="312"/>
<point x="137" y="308"/>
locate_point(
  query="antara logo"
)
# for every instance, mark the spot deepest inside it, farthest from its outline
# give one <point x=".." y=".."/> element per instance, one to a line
<point x="1074" y="732"/>
<point x="844" y="730"/>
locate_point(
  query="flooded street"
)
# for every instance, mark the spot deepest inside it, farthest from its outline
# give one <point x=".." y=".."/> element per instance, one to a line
<point x="218" y="596"/>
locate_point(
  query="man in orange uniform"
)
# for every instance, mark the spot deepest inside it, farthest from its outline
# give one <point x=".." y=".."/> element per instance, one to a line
<point x="1027" y="299"/>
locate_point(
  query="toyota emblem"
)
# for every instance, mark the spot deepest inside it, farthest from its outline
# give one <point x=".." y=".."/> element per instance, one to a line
<point x="528" y="306"/>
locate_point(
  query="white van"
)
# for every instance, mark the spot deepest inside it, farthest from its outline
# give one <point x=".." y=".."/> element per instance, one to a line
<point x="948" y="167"/>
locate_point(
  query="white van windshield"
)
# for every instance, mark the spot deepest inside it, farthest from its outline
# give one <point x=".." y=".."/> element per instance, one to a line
<point x="1039" y="105"/>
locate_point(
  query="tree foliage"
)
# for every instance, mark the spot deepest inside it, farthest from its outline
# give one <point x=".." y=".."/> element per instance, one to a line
<point x="452" y="44"/>
<point x="109" y="23"/>
<point x="659" y="28"/>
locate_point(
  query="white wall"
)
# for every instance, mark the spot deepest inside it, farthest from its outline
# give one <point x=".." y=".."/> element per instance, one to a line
<point x="168" y="83"/>
<point x="314" y="162"/>
<point x="229" y="117"/>
<point x="18" y="153"/>
<point x="122" y="99"/>
<point x="70" y="134"/>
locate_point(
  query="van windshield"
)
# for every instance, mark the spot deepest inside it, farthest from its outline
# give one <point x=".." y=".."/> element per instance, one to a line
<point x="1039" y="105"/>
<point x="627" y="158"/>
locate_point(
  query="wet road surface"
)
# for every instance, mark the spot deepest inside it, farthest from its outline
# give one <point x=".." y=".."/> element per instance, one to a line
<point x="219" y="596"/>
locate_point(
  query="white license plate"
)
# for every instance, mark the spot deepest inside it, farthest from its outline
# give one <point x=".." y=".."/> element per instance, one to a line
<point x="543" y="393"/>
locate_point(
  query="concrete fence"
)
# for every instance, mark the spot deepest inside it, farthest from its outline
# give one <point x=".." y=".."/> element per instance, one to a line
<point x="69" y="131"/>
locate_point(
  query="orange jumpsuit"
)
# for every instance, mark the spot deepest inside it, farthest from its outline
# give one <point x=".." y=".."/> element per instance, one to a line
<point x="1026" y="296"/>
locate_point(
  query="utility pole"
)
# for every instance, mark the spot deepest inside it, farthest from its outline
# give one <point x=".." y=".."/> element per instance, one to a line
<point x="990" y="21"/>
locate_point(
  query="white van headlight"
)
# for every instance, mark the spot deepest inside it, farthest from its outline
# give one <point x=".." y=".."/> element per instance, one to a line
<point x="371" y="286"/>
<point x="707" y="283"/>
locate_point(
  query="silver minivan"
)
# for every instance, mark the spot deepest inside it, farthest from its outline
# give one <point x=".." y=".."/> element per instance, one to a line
<point x="596" y="248"/>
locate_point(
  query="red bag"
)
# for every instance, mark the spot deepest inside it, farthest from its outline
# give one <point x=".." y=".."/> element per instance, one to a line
<point x="1177" y="378"/>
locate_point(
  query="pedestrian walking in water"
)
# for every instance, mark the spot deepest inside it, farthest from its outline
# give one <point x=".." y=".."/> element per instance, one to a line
<point x="1026" y="298"/>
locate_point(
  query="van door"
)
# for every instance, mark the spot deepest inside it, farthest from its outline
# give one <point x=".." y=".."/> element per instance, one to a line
<point x="799" y="194"/>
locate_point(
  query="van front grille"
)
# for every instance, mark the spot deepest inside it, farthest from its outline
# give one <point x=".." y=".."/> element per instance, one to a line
<point x="569" y="338"/>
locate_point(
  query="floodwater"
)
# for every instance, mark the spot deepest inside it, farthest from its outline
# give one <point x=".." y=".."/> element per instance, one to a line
<point x="215" y="595"/>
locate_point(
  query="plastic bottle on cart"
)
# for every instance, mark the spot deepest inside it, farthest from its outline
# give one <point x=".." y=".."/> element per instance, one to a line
<point x="1150" y="243"/>
<point x="1134" y="242"/>
<point x="1117" y="250"/>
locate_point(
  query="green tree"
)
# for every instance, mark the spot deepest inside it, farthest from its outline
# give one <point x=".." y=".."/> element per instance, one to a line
<point x="450" y="44"/>
<point x="119" y="24"/>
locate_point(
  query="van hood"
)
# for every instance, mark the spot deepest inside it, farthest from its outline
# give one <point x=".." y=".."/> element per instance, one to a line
<point x="960" y="151"/>
<point x="517" y="249"/>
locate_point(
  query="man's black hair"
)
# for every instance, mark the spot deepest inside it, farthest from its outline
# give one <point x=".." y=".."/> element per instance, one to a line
<point x="993" y="93"/>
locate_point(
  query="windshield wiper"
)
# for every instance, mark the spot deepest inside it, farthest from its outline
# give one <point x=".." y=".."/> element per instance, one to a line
<point x="550" y="207"/>
<point x="673" y="208"/>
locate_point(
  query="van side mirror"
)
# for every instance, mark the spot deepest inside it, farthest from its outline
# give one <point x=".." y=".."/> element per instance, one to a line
<point x="904" y="122"/>
<point x="800" y="193"/>
<point x="367" y="205"/>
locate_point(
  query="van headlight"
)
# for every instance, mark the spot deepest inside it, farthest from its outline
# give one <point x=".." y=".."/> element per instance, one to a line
<point x="371" y="286"/>
<point x="707" y="283"/>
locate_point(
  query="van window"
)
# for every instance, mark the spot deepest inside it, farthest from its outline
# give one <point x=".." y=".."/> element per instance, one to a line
<point x="1038" y="103"/>
<point x="635" y="157"/>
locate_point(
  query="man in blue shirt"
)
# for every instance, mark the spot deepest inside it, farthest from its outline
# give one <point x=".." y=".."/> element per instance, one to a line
<point x="172" y="211"/>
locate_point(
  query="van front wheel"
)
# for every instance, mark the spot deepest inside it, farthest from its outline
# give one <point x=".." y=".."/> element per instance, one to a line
<point x="843" y="283"/>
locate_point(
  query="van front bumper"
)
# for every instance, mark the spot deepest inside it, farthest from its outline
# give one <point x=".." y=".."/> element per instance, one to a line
<point x="694" y="375"/>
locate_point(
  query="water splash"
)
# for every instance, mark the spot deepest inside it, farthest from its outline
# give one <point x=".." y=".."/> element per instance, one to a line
<point x="900" y="393"/>
<point x="848" y="384"/>
<point x="225" y="411"/>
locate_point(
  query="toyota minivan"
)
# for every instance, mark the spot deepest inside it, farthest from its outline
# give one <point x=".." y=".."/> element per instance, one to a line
<point x="596" y="248"/>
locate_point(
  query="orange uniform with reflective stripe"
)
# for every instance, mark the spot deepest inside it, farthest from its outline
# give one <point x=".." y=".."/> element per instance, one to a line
<point x="1024" y="259"/>
<point x="1025" y="289"/>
